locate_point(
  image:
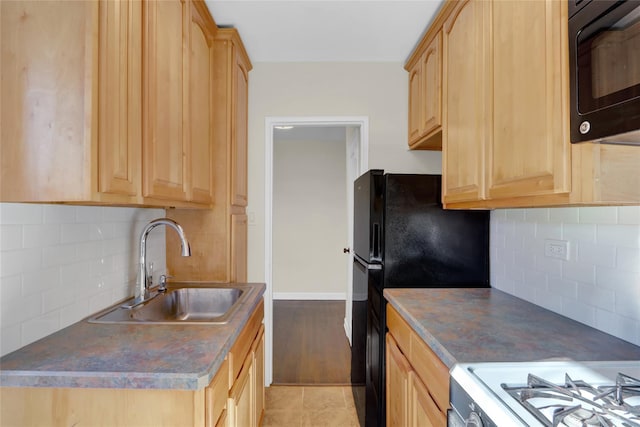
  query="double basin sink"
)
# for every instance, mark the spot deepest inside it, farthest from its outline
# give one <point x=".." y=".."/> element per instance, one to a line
<point x="181" y="303"/>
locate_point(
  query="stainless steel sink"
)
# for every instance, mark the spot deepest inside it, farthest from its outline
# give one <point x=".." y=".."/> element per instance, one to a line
<point x="187" y="303"/>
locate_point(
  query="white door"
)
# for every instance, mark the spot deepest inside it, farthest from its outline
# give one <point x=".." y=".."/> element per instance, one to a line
<point x="353" y="171"/>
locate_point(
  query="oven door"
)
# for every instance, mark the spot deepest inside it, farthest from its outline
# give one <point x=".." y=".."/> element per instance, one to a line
<point x="604" y="41"/>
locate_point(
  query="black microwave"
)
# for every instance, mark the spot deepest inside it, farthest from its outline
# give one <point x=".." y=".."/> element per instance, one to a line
<point x="604" y="62"/>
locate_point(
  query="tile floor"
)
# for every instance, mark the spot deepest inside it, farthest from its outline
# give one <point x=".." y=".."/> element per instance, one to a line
<point x="297" y="406"/>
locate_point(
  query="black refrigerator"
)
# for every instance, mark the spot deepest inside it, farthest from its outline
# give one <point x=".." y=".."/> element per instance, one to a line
<point x="403" y="238"/>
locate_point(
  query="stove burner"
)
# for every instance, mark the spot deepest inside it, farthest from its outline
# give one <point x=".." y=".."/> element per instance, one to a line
<point x="578" y="403"/>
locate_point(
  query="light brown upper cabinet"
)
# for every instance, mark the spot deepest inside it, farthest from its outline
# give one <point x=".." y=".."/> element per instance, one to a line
<point x="505" y="111"/>
<point x="96" y="102"/>
<point x="165" y="146"/>
<point x="202" y="33"/>
<point x="506" y="94"/>
<point x="178" y="104"/>
<point x="71" y="107"/>
<point x="465" y="100"/>
<point x="528" y="153"/>
<point x="218" y="236"/>
<point x="425" y="97"/>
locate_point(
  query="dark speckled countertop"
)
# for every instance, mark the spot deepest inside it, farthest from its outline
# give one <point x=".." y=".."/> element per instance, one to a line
<point x="127" y="356"/>
<point x="487" y="325"/>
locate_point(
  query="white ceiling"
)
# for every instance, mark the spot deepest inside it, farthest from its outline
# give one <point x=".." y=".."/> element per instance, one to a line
<point x="327" y="30"/>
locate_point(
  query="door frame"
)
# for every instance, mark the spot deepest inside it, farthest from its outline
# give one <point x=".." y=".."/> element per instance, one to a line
<point x="361" y="122"/>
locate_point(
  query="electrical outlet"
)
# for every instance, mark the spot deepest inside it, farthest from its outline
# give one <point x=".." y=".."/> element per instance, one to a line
<point x="556" y="249"/>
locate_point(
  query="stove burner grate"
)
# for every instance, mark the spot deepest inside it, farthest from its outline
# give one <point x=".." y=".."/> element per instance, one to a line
<point x="578" y="403"/>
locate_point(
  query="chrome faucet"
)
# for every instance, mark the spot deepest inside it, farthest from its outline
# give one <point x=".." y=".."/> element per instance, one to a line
<point x="144" y="281"/>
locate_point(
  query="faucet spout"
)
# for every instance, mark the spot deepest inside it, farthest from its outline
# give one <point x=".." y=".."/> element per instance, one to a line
<point x="143" y="283"/>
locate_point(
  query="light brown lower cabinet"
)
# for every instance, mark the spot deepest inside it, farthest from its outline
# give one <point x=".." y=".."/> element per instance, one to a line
<point x="417" y="382"/>
<point x="226" y="402"/>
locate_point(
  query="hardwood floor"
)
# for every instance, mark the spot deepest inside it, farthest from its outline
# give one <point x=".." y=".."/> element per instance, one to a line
<point x="309" y="343"/>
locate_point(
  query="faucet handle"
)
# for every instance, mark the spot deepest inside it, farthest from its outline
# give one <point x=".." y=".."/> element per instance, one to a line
<point x="162" y="285"/>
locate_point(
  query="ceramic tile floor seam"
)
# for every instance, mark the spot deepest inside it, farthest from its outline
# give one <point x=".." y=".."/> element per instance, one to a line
<point x="332" y="407"/>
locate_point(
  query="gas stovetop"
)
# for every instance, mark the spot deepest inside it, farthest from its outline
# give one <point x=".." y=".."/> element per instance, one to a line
<point x="549" y="393"/>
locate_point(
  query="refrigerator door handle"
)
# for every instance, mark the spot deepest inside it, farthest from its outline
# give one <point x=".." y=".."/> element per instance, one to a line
<point x="376" y="241"/>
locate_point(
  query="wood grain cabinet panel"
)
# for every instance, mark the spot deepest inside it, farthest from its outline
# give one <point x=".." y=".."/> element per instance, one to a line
<point x="201" y="66"/>
<point x="218" y="235"/>
<point x="70" y="101"/>
<point x="165" y="106"/>
<point x="120" y="105"/>
<point x="425" y="98"/>
<point x="96" y="97"/>
<point x="397" y="374"/>
<point x="465" y="80"/>
<point x="528" y="153"/>
<point x="417" y="381"/>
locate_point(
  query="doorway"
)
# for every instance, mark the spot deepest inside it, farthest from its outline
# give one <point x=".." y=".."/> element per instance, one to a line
<point x="355" y="131"/>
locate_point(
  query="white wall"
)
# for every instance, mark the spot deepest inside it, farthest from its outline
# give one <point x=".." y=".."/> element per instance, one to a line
<point x="59" y="264"/>
<point x="375" y="90"/>
<point x="600" y="283"/>
<point x="309" y="219"/>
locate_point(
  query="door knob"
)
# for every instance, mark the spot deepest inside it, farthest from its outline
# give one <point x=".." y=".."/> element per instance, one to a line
<point x="346" y="250"/>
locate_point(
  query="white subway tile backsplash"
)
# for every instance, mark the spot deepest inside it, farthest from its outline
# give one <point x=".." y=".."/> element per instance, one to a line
<point x="627" y="305"/>
<point x="576" y="310"/>
<point x="600" y="283"/>
<point x="551" y="266"/>
<point x="629" y="215"/>
<point x="10" y="339"/>
<point x="19" y="261"/>
<point x="565" y="288"/>
<point x="18" y="213"/>
<point x="34" y="329"/>
<point x="594" y="254"/>
<point x="628" y="259"/>
<point x="617" y="279"/>
<point x="579" y="232"/>
<point x="540" y="215"/>
<point x="59" y="214"/>
<point x="10" y="237"/>
<point x="89" y="215"/>
<point x="619" y="235"/>
<point x="58" y="255"/>
<point x="61" y="263"/>
<point x="620" y="326"/>
<point x="579" y="272"/>
<point x="516" y="214"/>
<point x="597" y="297"/>
<point x="599" y="215"/>
<point x="40" y="235"/>
<point x="564" y="215"/>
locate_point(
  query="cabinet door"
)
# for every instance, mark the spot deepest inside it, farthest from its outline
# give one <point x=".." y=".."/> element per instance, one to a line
<point x="166" y="26"/>
<point x="258" y="377"/>
<point x="202" y="30"/>
<point x="239" y="140"/>
<point x="465" y="96"/>
<point x="423" y="412"/>
<point x="415" y="103"/>
<point x="432" y="86"/>
<point x="397" y="385"/>
<point x="47" y="93"/>
<point x="529" y="153"/>
<point x="240" y="402"/>
<point x="238" y="248"/>
<point x="120" y="104"/>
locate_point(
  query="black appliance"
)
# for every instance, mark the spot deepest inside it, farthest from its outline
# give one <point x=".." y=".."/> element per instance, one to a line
<point x="403" y="238"/>
<point x="604" y="64"/>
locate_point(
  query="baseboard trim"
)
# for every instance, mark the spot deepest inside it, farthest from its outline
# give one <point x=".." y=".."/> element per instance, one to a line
<point x="347" y="331"/>
<point x="309" y="296"/>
